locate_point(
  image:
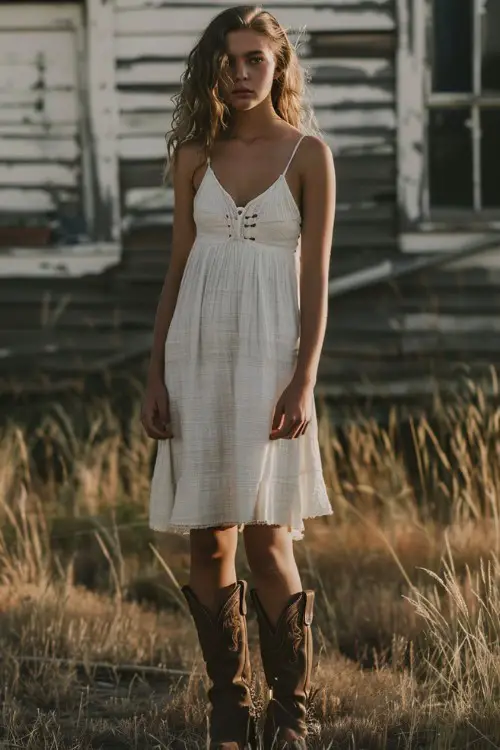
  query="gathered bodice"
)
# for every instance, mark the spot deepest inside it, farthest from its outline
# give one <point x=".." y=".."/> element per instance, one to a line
<point x="271" y="218"/>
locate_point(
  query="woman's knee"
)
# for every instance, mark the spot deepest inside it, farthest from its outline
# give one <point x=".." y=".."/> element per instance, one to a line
<point x="215" y="546"/>
<point x="269" y="551"/>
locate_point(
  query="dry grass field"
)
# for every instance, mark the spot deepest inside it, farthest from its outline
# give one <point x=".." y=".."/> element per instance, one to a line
<point x="97" y="648"/>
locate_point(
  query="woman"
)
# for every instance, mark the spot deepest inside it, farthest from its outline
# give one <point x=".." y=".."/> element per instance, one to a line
<point x="234" y="362"/>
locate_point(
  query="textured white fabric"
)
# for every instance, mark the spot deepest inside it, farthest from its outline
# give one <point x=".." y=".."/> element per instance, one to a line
<point x="229" y="354"/>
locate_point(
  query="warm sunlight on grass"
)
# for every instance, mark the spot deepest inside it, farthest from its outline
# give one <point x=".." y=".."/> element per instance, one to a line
<point x="98" y="650"/>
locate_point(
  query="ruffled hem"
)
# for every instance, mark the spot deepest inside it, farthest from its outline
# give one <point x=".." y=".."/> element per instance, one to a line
<point x="267" y="511"/>
<point x="297" y="534"/>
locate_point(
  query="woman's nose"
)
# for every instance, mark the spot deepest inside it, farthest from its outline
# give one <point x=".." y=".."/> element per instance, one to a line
<point x="241" y="72"/>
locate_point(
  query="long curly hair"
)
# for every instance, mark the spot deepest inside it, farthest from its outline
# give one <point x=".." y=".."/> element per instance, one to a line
<point x="200" y="113"/>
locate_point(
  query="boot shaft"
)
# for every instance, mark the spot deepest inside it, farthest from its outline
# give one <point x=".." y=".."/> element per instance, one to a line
<point x="224" y="645"/>
<point x="287" y="651"/>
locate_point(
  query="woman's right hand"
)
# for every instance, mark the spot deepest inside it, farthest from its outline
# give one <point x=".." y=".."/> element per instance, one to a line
<point x="155" y="411"/>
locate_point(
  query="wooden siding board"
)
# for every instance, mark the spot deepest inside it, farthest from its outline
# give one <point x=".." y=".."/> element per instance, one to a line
<point x="66" y="263"/>
<point x="48" y="149"/>
<point x="348" y="44"/>
<point x="38" y="175"/>
<point x="42" y="16"/>
<point x="219" y="5"/>
<point x="28" y="200"/>
<point x="101" y="92"/>
<point x="28" y="130"/>
<point x="38" y="107"/>
<point x="41" y="76"/>
<point x="170" y="19"/>
<point x="410" y="109"/>
<point x="32" y="48"/>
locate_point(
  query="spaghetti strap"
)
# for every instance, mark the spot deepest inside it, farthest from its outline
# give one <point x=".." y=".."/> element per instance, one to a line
<point x="293" y="153"/>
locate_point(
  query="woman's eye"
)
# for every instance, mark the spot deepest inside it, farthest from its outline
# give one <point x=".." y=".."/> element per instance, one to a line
<point x="256" y="60"/>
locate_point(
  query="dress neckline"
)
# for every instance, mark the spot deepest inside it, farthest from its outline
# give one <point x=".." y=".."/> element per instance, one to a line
<point x="242" y="209"/>
<point x="267" y="190"/>
<point x="249" y="203"/>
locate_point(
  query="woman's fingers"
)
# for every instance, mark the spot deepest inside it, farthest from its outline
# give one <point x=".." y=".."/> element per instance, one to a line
<point x="296" y="429"/>
<point x="154" y="425"/>
<point x="303" y="429"/>
<point x="163" y="406"/>
<point x="289" y="427"/>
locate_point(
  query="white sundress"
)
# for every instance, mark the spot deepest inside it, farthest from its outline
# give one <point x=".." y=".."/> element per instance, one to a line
<point x="230" y="352"/>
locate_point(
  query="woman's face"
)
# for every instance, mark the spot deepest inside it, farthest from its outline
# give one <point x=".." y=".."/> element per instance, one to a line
<point x="252" y="68"/>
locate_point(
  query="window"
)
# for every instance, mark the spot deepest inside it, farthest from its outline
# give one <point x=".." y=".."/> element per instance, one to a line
<point x="463" y="101"/>
<point x="449" y="111"/>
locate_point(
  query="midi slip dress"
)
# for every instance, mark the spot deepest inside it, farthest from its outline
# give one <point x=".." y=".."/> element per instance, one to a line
<point x="230" y="352"/>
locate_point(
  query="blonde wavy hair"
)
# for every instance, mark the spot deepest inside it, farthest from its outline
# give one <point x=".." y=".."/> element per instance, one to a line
<point x="200" y="113"/>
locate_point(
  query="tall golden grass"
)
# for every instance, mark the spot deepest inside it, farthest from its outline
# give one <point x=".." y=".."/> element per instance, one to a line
<point x="98" y="649"/>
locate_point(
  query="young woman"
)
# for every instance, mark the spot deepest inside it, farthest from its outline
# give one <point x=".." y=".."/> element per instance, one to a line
<point x="237" y="339"/>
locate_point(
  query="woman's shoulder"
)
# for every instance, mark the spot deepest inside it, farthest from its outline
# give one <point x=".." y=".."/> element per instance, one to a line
<point x="189" y="156"/>
<point x="315" y="148"/>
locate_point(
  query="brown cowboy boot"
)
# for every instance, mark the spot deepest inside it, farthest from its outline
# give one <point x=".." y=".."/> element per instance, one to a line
<point x="287" y="651"/>
<point x="224" y="644"/>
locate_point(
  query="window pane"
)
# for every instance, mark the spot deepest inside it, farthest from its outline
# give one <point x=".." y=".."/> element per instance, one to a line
<point x="450" y="158"/>
<point x="490" y="157"/>
<point x="452" y="53"/>
<point x="490" y="66"/>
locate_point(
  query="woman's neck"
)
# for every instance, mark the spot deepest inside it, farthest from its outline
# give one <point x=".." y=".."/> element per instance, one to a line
<point x="253" y="123"/>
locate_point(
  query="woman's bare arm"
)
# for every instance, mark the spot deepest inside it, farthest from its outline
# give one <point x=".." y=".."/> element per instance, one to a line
<point x="317" y="229"/>
<point x="183" y="236"/>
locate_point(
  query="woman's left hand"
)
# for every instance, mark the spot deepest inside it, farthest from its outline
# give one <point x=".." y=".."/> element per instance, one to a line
<point x="293" y="411"/>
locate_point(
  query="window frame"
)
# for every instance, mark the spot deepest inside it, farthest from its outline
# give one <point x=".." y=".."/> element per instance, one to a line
<point x="414" y="101"/>
<point x="93" y="22"/>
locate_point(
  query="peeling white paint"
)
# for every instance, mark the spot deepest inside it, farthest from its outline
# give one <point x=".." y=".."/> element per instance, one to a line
<point x="133" y="48"/>
<point x="40" y="75"/>
<point x="168" y="19"/>
<point x="39" y="149"/>
<point x="130" y="48"/>
<point x="36" y="130"/>
<point x="410" y="106"/>
<point x="448" y="324"/>
<point x="30" y="200"/>
<point x="46" y="15"/>
<point x="35" y="47"/>
<point x="103" y="109"/>
<point x="430" y="242"/>
<point x="38" y="106"/>
<point x="346" y="119"/>
<point x="150" y="199"/>
<point x="138" y="4"/>
<point x="65" y="262"/>
<point x="39" y="175"/>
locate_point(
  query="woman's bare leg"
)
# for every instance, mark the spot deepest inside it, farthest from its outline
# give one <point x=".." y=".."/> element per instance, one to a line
<point x="213" y="569"/>
<point x="271" y="559"/>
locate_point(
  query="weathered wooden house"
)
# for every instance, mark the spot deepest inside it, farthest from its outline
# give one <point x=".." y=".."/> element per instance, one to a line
<point x="407" y="93"/>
